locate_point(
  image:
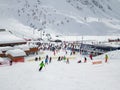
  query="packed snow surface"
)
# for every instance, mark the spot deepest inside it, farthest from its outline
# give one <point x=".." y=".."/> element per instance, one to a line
<point x="61" y="76"/>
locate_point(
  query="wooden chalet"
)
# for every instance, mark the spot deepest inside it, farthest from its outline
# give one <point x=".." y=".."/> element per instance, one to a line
<point x="16" y="55"/>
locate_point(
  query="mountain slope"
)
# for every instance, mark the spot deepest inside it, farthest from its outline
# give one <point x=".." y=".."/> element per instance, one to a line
<point x="70" y="17"/>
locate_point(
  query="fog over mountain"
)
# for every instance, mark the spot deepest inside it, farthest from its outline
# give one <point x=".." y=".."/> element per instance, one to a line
<point x="66" y="17"/>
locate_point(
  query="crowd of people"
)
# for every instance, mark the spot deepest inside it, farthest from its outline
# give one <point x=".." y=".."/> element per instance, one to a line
<point x="57" y="48"/>
<point x="48" y="60"/>
<point x="65" y="59"/>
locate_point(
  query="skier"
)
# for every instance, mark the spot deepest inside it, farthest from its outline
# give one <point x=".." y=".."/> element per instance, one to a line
<point x="50" y="59"/>
<point x="47" y="56"/>
<point x="79" y="61"/>
<point x="67" y="61"/>
<point x="71" y="53"/>
<point x="11" y="62"/>
<point x="64" y="58"/>
<point x="66" y="52"/>
<point x="39" y="58"/>
<point x="106" y="58"/>
<point x="91" y="57"/>
<point x="36" y="59"/>
<point x="46" y="59"/>
<point x="59" y="58"/>
<point x="85" y="59"/>
<point x="41" y="66"/>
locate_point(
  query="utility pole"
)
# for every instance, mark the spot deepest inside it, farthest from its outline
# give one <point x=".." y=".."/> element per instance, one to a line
<point x="41" y="33"/>
<point x="82" y="39"/>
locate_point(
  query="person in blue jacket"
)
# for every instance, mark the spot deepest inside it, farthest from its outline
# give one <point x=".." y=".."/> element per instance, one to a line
<point x="46" y="59"/>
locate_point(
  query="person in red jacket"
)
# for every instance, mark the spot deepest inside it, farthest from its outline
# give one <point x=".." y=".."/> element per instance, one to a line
<point x="91" y="56"/>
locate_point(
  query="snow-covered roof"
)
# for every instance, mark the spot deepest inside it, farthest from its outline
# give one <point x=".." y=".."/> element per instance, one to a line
<point x="32" y="46"/>
<point x="6" y="37"/>
<point x="16" y="52"/>
<point x="0" y="52"/>
<point x="5" y="48"/>
<point x="23" y="47"/>
<point x="1" y="59"/>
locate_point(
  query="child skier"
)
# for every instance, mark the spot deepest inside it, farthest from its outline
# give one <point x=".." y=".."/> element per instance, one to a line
<point x="67" y="61"/>
<point x="50" y="59"/>
<point x="11" y="62"/>
<point x="59" y="58"/>
<point x="85" y="59"/>
<point x="79" y="61"/>
<point x="46" y="59"/>
<point x="36" y="58"/>
<point x="64" y="58"/>
<point x="106" y="58"/>
<point x="39" y="58"/>
<point x="41" y="66"/>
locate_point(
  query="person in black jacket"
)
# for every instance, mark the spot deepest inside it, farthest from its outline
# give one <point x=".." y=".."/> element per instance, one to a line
<point x="85" y="59"/>
<point x="11" y="62"/>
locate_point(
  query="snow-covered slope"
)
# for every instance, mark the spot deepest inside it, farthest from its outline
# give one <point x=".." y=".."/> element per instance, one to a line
<point x="7" y="37"/>
<point x="61" y="76"/>
<point x="112" y="55"/>
<point x="70" y="17"/>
